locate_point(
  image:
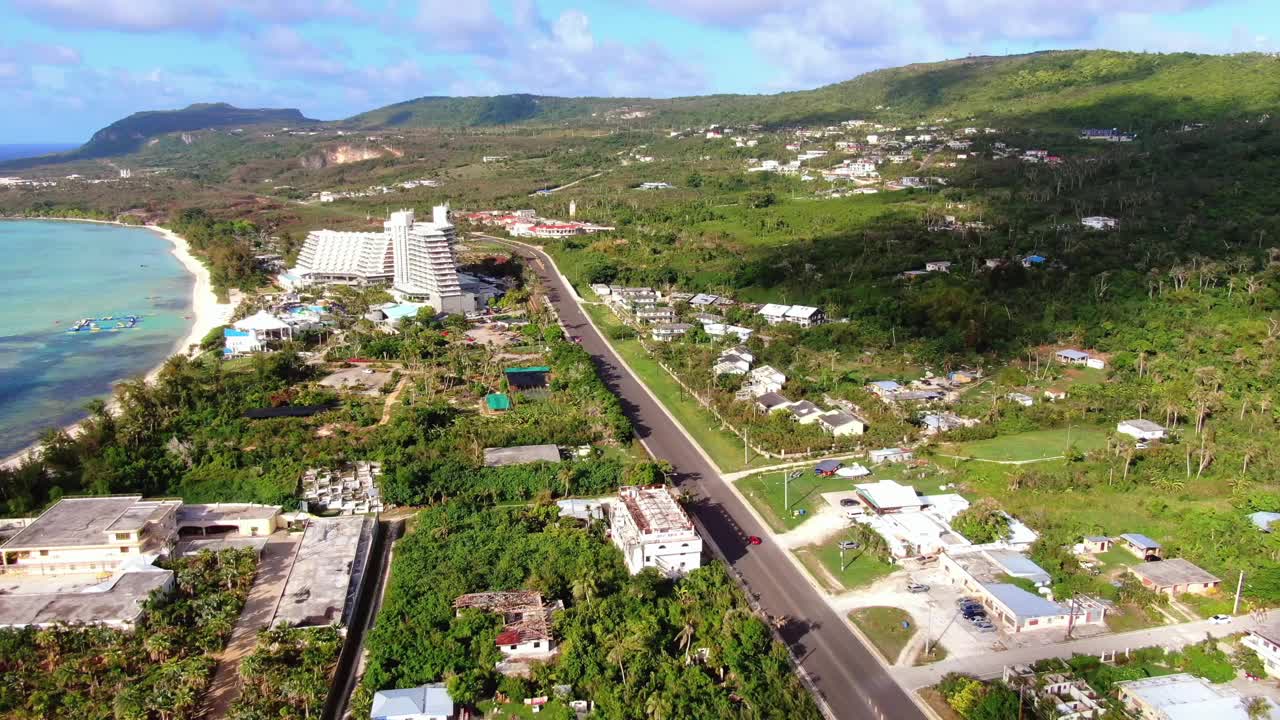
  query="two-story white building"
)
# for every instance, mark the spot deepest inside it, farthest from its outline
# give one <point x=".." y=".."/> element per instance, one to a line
<point x="1265" y="642"/>
<point x="92" y="535"/>
<point x="651" y="529"/>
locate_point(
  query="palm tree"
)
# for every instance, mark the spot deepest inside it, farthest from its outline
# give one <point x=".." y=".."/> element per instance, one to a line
<point x="584" y="586"/>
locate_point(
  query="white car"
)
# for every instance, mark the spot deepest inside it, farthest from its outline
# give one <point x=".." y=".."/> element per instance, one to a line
<point x="1220" y="619"/>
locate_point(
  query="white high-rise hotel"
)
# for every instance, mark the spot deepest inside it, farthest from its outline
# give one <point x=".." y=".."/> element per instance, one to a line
<point x="417" y="258"/>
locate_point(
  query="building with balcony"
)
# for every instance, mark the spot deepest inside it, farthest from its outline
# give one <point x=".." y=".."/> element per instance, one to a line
<point x="652" y="530"/>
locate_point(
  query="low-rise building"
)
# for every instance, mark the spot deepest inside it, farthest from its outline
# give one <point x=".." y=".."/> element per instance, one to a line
<point x="771" y="402"/>
<point x="526" y="632"/>
<point x="731" y="363"/>
<point x="655" y="314"/>
<point x="666" y="332"/>
<point x="1071" y="356"/>
<point x="92" y="534"/>
<point x="425" y="702"/>
<point x="887" y="496"/>
<point x="773" y="313"/>
<point x="651" y="529"/>
<point x="1143" y="430"/>
<point x="719" y="330"/>
<point x="805" y="316"/>
<point x="1266" y="643"/>
<point x="1021" y="398"/>
<point x="840" y="424"/>
<point x="1100" y="222"/>
<point x="765" y="379"/>
<point x="889" y="455"/>
<point x="1187" y="697"/>
<point x="1060" y="696"/>
<point x="979" y="573"/>
<point x="804" y="412"/>
<point x="1174" y="577"/>
<point x="1141" y="545"/>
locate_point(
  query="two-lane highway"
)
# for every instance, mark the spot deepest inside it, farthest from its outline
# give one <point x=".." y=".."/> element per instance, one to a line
<point x="849" y="679"/>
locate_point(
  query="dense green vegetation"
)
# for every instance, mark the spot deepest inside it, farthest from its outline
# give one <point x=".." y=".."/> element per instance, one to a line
<point x="287" y="676"/>
<point x="157" y="671"/>
<point x="639" y="647"/>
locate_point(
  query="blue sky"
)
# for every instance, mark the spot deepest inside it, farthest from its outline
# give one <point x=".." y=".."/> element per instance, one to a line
<point x="69" y="67"/>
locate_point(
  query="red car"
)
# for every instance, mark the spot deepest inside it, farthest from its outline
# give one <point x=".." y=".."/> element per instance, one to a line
<point x="753" y="540"/>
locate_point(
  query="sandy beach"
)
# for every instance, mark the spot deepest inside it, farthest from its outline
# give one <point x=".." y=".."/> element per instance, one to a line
<point x="207" y="312"/>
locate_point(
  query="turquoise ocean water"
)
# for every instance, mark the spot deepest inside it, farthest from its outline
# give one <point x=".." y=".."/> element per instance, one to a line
<point x="55" y="273"/>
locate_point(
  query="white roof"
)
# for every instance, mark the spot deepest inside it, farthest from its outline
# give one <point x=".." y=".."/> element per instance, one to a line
<point x="773" y="310"/>
<point x="262" y="320"/>
<point x="1142" y="425"/>
<point x="431" y="700"/>
<point x="889" y="494"/>
<point x="1187" y="697"/>
<point x="801" y="311"/>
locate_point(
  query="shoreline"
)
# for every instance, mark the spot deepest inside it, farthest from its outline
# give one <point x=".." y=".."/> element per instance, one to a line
<point x="206" y="311"/>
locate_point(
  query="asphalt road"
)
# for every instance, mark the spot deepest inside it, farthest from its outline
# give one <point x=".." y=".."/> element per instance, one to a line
<point x="846" y="674"/>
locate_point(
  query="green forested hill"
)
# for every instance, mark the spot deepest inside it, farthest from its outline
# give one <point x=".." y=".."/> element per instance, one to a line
<point x="1058" y="88"/>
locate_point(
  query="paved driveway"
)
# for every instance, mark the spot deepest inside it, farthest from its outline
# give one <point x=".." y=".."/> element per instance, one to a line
<point x="268" y="585"/>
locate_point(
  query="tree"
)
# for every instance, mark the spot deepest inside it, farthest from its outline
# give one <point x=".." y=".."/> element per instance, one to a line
<point x="982" y="522"/>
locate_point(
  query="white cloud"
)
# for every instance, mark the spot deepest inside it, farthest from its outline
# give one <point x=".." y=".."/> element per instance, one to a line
<point x="202" y="16"/>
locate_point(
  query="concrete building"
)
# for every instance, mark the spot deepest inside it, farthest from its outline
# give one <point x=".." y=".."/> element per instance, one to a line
<point x="328" y="571"/>
<point x="244" y="519"/>
<point x="666" y="332"/>
<point x="1060" y="696"/>
<point x="344" y="258"/>
<point x="116" y="601"/>
<point x="1141" y="545"/>
<point x="885" y="455"/>
<point x="92" y="534"/>
<point x="1143" y="430"/>
<point x="975" y="570"/>
<point x="426" y="702"/>
<point x="1265" y="642"/>
<point x="426" y="262"/>
<point x="1186" y="697"/>
<point x="651" y="529"/>
<point x="526" y="634"/>
<point x="887" y="496"/>
<point x="1174" y="577"/>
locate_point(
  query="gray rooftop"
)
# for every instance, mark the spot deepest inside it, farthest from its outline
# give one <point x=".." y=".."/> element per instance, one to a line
<point x="1175" y="571"/>
<point x="1018" y="565"/>
<point x="119" y="604"/>
<point x="226" y="512"/>
<point x="82" y="521"/>
<point x="328" y="566"/>
<point x="1264" y="519"/>
<point x="1022" y="603"/>
<point x="430" y="700"/>
<point x="771" y="400"/>
<point x="521" y="454"/>
<point x="835" y="419"/>
<point x="1140" y="540"/>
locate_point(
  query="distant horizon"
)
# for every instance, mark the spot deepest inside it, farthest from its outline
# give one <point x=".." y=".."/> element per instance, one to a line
<point x="20" y="150"/>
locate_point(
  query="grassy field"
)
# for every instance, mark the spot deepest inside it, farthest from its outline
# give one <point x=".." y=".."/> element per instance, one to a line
<point x="823" y="561"/>
<point x="1034" y="445"/>
<point x="765" y="492"/>
<point x="936" y="653"/>
<point x="724" y="447"/>
<point x="1129" y="617"/>
<point x="883" y="627"/>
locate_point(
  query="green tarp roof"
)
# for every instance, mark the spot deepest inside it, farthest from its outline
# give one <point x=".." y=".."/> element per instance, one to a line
<point x="538" y="369"/>
<point x="498" y="401"/>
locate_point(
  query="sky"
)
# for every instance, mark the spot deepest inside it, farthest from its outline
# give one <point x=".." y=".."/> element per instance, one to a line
<point x="69" y="67"/>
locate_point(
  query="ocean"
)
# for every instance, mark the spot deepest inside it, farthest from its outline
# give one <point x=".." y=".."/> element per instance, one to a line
<point x="55" y="273"/>
<point x="26" y="150"/>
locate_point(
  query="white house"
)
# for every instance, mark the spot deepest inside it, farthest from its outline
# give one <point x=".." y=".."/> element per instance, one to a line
<point x="717" y="330"/>
<point x="1100" y="222"/>
<point x="885" y="455"/>
<point x="774" y="314"/>
<point x="666" y="332"/>
<point x="804" y="412"/>
<point x="426" y="702"/>
<point x="1072" y="357"/>
<point x="651" y="529"/>
<point x="1022" y="399"/>
<point x="805" y="316"/>
<point x="526" y="633"/>
<point x="937" y="266"/>
<point x="841" y="424"/>
<point x="730" y="363"/>
<point x="765" y="379"/>
<point x="1264" y="643"/>
<point x="1140" y="429"/>
<point x="251" y="334"/>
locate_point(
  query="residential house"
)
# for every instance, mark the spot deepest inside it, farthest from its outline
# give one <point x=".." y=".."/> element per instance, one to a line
<point x="1072" y="357"/>
<point x="937" y="266"/>
<point x="805" y="316"/>
<point x="1174" y="577"/>
<point x="1141" y="545"/>
<point x="1021" y="398"/>
<point x="771" y="402"/>
<point x="1100" y="222"/>
<point x="1179" y="696"/>
<point x="719" y="330"/>
<point x="804" y="412"/>
<point x="1142" y="430"/>
<point x="885" y="389"/>
<point x="887" y="496"/>
<point x="1265" y="642"/>
<point x="764" y="379"/>
<point x="651" y="529"/>
<point x="773" y="313"/>
<point x="731" y="363"/>
<point x="708" y="318"/>
<point x="526" y="633"/>
<point x="889" y="455"/>
<point x="666" y="332"/>
<point x="840" y="424"/>
<point x="254" y="333"/>
<point x="1094" y="544"/>
<point x="655" y="315"/>
<point x="426" y="702"/>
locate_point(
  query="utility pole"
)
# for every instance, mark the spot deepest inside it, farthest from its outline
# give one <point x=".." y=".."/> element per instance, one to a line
<point x="1239" y="586"/>
<point x="786" y="494"/>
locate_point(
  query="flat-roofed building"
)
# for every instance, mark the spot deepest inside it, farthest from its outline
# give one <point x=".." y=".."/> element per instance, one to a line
<point x="217" y="518"/>
<point x="887" y="496"/>
<point x="1184" y="696"/>
<point x="117" y="601"/>
<point x="1174" y="577"/>
<point x="651" y="529"/>
<point x="978" y="572"/>
<point x="328" y="570"/>
<point x="92" y="534"/>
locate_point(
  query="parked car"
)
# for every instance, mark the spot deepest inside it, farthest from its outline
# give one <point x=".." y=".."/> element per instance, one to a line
<point x="1220" y="619"/>
<point x="972" y="613"/>
<point x="917" y="588"/>
<point x="849" y="545"/>
<point x="984" y="627"/>
<point x="848" y="502"/>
